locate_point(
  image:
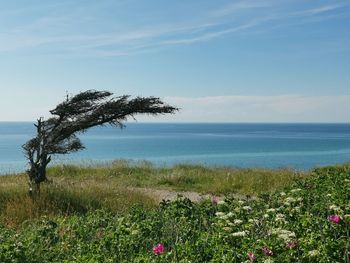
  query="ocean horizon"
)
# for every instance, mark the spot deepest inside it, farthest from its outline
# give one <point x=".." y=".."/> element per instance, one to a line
<point x="300" y="146"/>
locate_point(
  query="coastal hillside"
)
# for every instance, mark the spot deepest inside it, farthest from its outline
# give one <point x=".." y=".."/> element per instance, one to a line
<point x="304" y="219"/>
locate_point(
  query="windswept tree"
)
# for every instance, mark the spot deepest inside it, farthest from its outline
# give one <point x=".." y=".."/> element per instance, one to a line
<point x="58" y="134"/>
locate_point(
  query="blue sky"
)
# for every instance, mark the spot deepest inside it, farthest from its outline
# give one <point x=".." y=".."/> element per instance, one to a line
<point x="226" y="61"/>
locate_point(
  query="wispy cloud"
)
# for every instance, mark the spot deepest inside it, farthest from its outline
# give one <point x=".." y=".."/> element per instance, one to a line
<point x="321" y="9"/>
<point x="240" y="6"/>
<point x="54" y="33"/>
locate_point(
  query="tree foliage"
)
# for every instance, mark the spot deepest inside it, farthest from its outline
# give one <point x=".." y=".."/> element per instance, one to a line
<point x="58" y="134"/>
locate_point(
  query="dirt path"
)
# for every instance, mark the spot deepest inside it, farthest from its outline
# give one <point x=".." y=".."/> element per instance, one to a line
<point x="162" y="194"/>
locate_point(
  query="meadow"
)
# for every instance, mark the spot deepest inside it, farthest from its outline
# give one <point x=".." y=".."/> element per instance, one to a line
<point x="90" y="214"/>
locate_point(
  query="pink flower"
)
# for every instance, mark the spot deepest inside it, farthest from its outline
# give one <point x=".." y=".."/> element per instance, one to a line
<point x="292" y="244"/>
<point x="267" y="251"/>
<point x="334" y="218"/>
<point x="158" y="249"/>
<point x="251" y="256"/>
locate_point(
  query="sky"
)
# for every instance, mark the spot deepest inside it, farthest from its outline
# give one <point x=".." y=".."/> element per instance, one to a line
<point x="218" y="60"/>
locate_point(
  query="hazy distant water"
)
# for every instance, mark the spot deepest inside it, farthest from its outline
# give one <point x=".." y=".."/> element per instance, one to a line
<point x="300" y="146"/>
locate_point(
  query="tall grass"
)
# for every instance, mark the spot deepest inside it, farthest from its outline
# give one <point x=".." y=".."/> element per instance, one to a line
<point x="60" y="198"/>
<point x="215" y="180"/>
<point x="76" y="189"/>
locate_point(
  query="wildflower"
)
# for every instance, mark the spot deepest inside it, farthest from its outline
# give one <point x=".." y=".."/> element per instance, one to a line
<point x="220" y="214"/>
<point x="241" y="202"/>
<point x="282" y="233"/>
<point x="271" y="210"/>
<point x="230" y="214"/>
<point x="237" y="221"/>
<point x="296" y="209"/>
<point x="329" y="195"/>
<point x="295" y="190"/>
<point x="282" y="193"/>
<point x="335" y="208"/>
<point x="268" y="260"/>
<point x="267" y="251"/>
<point x="158" y="249"/>
<point x="313" y="253"/>
<point x="227" y="229"/>
<point x="280" y="217"/>
<point x="221" y="202"/>
<point x="255" y="221"/>
<point x="265" y="215"/>
<point x="292" y="244"/>
<point x="240" y="234"/>
<point x="289" y="200"/>
<point x="334" y="218"/>
<point x="251" y="256"/>
<point x="247" y="208"/>
<point x="135" y="232"/>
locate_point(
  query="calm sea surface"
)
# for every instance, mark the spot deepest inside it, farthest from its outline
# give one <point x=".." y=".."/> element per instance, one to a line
<point x="300" y="146"/>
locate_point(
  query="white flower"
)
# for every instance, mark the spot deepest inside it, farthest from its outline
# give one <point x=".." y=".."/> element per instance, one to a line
<point x="329" y="195"/>
<point x="290" y="199"/>
<point x="313" y="253"/>
<point x="265" y="215"/>
<point x="221" y="202"/>
<point x="250" y="220"/>
<point x="296" y="209"/>
<point x="268" y="260"/>
<point x="240" y="234"/>
<point x="237" y="221"/>
<point x="283" y="233"/>
<point x="282" y="193"/>
<point x="247" y="208"/>
<point x="220" y="214"/>
<point x="271" y="210"/>
<point x="241" y="202"/>
<point x="299" y="199"/>
<point x="227" y="229"/>
<point x="135" y="232"/>
<point x="295" y="190"/>
<point x="280" y="218"/>
<point x="335" y="208"/>
<point x="230" y="214"/>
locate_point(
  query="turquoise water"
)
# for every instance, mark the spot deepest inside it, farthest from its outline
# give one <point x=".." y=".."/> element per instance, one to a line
<point x="300" y="146"/>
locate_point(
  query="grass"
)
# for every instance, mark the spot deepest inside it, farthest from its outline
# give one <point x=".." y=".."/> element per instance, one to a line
<point x="203" y="179"/>
<point x="77" y="189"/>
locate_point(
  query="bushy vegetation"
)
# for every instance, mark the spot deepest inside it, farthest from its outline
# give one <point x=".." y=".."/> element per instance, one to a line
<point x="306" y="221"/>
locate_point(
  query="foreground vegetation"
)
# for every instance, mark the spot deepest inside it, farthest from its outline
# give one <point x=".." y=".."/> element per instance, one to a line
<point x="81" y="188"/>
<point x="307" y="219"/>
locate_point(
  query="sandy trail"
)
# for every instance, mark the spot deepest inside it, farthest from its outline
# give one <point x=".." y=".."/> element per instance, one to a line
<point x="163" y="194"/>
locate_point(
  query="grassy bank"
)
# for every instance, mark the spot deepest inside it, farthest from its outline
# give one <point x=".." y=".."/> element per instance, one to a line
<point x="203" y="179"/>
<point x="306" y="220"/>
<point x="79" y="189"/>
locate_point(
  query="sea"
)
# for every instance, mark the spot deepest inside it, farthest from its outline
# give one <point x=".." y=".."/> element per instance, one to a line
<point x="288" y="145"/>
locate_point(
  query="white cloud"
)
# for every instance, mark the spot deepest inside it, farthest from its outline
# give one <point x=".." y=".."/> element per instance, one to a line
<point x="287" y="108"/>
<point x="284" y="108"/>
